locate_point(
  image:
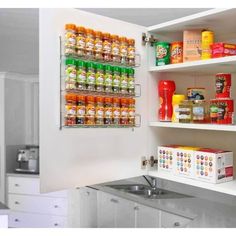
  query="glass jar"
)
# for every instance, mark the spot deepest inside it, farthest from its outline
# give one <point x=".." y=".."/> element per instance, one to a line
<point x="131" y="111"/>
<point x="90" y="79"/>
<point x="70" y="109"/>
<point x="80" y="41"/>
<point x="98" y="49"/>
<point x="116" y="111"/>
<point x="108" y="78"/>
<point x="81" y="75"/>
<point x="89" y="43"/>
<point x="70" y="39"/>
<point x="99" y="116"/>
<point x="123" y="81"/>
<point x="131" y="52"/>
<point x="199" y="111"/>
<point x="115" y="48"/>
<point x="123" y="50"/>
<point x="185" y="111"/>
<point x="106" y="47"/>
<point x="116" y="79"/>
<point x="70" y="72"/>
<point x="131" y="84"/>
<point x="80" y="110"/>
<point x="90" y="111"/>
<point x="108" y="111"/>
<point x="124" y="112"/>
<point x="100" y="78"/>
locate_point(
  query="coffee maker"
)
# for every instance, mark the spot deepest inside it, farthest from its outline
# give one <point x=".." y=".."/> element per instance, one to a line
<point x="28" y="160"/>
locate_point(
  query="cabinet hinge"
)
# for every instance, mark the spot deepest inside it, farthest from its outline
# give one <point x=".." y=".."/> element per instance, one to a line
<point x="149" y="164"/>
<point x="151" y="40"/>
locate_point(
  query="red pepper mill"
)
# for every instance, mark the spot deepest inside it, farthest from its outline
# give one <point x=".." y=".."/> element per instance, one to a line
<point x="166" y="89"/>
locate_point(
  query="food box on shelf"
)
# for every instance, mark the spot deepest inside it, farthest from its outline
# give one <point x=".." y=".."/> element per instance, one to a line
<point x="223" y="50"/>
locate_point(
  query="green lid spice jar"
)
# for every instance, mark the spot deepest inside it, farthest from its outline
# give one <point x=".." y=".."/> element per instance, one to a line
<point x="100" y="77"/>
<point x="81" y="75"/>
<point x="131" y="85"/>
<point x="90" y="80"/>
<point x="108" y="78"/>
<point x="162" y="53"/>
<point x="124" y="81"/>
<point x="116" y="79"/>
<point x="70" y="72"/>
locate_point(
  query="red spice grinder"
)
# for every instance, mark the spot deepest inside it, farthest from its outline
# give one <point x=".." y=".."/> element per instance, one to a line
<point x="166" y="89"/>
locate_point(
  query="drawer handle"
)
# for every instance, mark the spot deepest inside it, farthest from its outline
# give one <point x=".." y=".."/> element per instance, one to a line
<point x="88" y="193"/>
<point x="17" y="185"/>
<point x="16" y="220"/>
<point x="176" y="224"/>
<point x="17" y="203"/>
<point x="114" y="200"/>
<point x="136" y="208"/>
<point x="56" y="206"/>
<point x="56" y="224"/>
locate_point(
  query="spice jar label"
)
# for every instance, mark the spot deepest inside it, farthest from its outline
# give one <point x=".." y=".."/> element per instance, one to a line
<point x="80" y="42"/>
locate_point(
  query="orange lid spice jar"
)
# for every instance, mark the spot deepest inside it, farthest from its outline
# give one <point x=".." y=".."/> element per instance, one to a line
<point x="108" y="111"/>
<point x="123" y="50"/>
<point x="98" y="47"/>
<point x="70" y="39"/>
<point x="89" y="43"/>
<point x="124" y="111"/>
<point x="116" y="111"/>
<point x="106" y="47"/>
<point x="131" y="52"/>
<point x="115" y="48"/>
<point x="80" y="40"/>
<point x="90" y="111"/>
<point x="131" y="111"/>
<point x="99" y="116"/>
<point x="70" y="107"/>
<point x="80" y="110"/>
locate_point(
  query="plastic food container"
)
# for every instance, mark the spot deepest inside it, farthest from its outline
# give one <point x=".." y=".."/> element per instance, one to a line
<point x="162" y="53"/>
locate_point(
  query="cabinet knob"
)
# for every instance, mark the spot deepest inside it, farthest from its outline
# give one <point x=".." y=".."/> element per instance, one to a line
<point x="136" y="208"/>
<point x="56" y="224"/>
<point x="176" y="224"/>
<point x="114" y="200"/>
<point x="88" y="193"/>
<point x="16" y="220"/>
<point x="17" y="185"/>
<point x="17" y="203"/>
<point x="56" y="206"/>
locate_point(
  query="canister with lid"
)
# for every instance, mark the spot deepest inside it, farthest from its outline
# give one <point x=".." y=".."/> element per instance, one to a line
<point x="98" y="47"/>
<point x="70" y="39"/>
<point x="70" y="72"/>
<point x="116" y="79"/>
<point x="131" y="52"/>
<point x="89" y="43"/>
<point x="90" y="111"/>
<point x="99" y="116"/>
<point x="115" y="48"/>
<point x="131" y="84"/>
<point x="108" y="78"/>
<point x="124" y="112"/>
<point x="106" y="47"/>
<point x="124" y="80"/>
<point x="116" y="111"/>
<point x="90" y="80"/>
<point x="108" y="111"/>
<point x="81" y="75"/>
<point x="100" y="77"/>
<point x="80" y="41"/>
<point x="80" y="109"/>
<point x="123" y="50"/>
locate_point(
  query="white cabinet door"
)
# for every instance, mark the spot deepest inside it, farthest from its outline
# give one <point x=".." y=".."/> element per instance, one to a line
<point x="88" y="208"/>
<point x="84" y="156"/>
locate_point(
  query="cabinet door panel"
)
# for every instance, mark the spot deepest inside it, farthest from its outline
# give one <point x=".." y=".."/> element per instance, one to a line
<point x="84" y="156"/>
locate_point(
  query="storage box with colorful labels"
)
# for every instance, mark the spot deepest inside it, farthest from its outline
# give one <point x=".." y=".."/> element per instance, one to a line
<point x="213" y="165"/>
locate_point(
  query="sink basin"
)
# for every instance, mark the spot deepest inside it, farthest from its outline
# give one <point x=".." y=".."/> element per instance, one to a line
<point x="139" y="189"/>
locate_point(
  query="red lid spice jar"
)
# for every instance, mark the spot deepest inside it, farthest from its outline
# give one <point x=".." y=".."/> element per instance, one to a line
<point x="90" y="111"/>
<point x="115" y="48"/>
<point x="108" y="111"/>
<point x="99" y="116"/>
<point x="80" y="41"/>
<point x="123" y="50"/>
<point x="70" y="39"/>
<point x="80" y="109"/>
<point x="106" y="47"/>
<point x="131" y="52"/>
<point x="131" y="111"/>
<point x="89" y="43"/>
<point x="70" y="109"/>
<point x="116" y="111"/>
<point x="98" y="47"/>
<point x="124" y="112"/>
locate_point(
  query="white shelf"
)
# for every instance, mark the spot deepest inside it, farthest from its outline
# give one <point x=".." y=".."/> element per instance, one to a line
<point x="227" y="188"/>
<point x="230" y="128"/>
<point x="211" y="66"/>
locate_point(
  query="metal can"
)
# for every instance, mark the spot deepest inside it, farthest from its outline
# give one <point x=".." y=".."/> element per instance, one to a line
<point x="223" y="85"/>
<point x="207" y="41"/>
<point x="225" y="111"/>
<point x="196" y="94"/>
<point x="176" y="52"/>
<point x="162" y="53"/>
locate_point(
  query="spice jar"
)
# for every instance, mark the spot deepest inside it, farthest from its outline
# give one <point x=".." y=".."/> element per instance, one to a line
<point x="89" y="43"/>
<point x="100" y="77"/>
<point x="106" y="47"/>
<point x="123" y="81"/>
<point x="90" y="111"/>
<point x="90" y="80"/>
<point x="80" y="109"/>
<point x="99" y="115"/>
<point x="199" y="111"/>
<point x="185" y="111"/>
<point x="116" y="111"/>
<point x="131" y="111"/>
<point x="130" y="85"/>
<point x="115" y="48"/>
<point x="81" y="75"/>
<point x="108" y="78"/>
<point x="70" y="71"/>
<point x="98" y="45"/>
<point x="131" y="52"/>
<point x="70" y="39"/>
<point x="108" y="111"/>
<point x="70" y="109"/>
<point x="80" y="41"/>
<point x="123" y="50"/>
<point x="124" y="112"/>
<point x="116" y="79"/>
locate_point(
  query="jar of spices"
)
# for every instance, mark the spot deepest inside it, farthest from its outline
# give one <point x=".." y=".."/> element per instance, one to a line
<point x="70" y="72"/>
<point x="81" y="75"/>
<point x="70" y="109"/>
<point x="199" y="111"/>
<point x="124" y="112"/>
<point x="108" y="78"/>
<point x="124" y="81"/>
<point x="115" y="48"/>
<point x="131" y="111"/>
<point x="80" y="41"/>
<point x="123" y="50"/>
<point x="70" y="39"/>
<point x="131" y="85"/>
<point x="100" y="77"/>
<point x="90" y="111"/>
<point x="89" y="43"/>
<point x="185" y="111"/>
<point x="80" y="110"/>
<point x="116" y="79"/>
<point x="99" y="115"/>
<point x="131" y="52"/>
<point x="108" y="111"/>
<point x="90" y="79"/>
<point x="116" y="111"/>
<point x="98" y="45"/>
<point x="106" y="47"/>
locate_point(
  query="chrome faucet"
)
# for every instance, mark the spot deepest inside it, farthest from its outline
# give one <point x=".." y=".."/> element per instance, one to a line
<point x="153" y="183"/>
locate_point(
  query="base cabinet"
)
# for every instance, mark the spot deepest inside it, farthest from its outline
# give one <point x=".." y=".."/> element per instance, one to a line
<point x="3" y="221"/>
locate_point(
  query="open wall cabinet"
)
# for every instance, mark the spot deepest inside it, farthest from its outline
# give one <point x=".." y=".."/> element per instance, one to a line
<point x="79" y="157"/>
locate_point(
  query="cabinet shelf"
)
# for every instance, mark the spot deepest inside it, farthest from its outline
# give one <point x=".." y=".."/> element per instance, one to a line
<point x="230" y="128"/>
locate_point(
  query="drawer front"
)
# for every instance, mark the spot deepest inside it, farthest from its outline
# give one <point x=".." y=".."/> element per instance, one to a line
<point x="173" y="221"/>
<point x="38" y="204"/>
<point x="26" y="220"/>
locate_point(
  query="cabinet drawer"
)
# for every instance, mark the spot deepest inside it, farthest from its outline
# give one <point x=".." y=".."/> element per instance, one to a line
<point x="27" y="220"/>
<point x="38" y="204"/>
<point x="169" y="220"/>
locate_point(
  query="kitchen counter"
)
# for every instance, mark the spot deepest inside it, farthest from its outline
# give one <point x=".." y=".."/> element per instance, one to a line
<point x="23" y="175"/>
<point x="205" y="213"/>
<point x="4" y="210"/>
